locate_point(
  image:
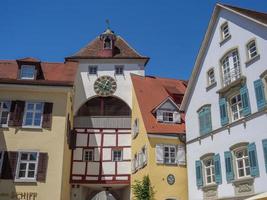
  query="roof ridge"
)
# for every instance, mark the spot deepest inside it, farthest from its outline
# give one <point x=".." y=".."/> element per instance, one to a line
<point x="130" y="46"/>
<point x="241" y="8"/>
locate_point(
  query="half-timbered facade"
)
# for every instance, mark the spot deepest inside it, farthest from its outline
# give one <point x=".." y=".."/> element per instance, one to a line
<point x="101" y="160"/>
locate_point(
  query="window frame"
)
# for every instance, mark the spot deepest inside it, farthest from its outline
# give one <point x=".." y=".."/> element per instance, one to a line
<point x="209" y="80"/>
<point x="25" y="67"/>
<point x="236" y="168"/>
<point x="89" y="151"/>
<point x="34" y="114"/>
<point x="19" y="161"/>
<point x="234" y="73"/>
<point x="169" y="146"/>
<point x="113" y="155"/>
<point x="92" y="68"/>
<point x="248" y="49"/>
<point x="212" y="170"/>
<point x="166" y="118"/>
<point x="223" y="35"/>
<point x="4" y="110"/>
<point x="240" y="115"/>
<point x="120" y="68"/>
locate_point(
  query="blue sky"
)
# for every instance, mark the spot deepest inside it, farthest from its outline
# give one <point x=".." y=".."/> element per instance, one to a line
<point x="169" y="32"/>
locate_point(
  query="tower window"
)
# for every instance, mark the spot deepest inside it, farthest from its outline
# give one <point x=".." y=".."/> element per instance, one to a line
<point x="107" y="43"/>
<point x="119" y="70"/>
<point x="92" y="69"/>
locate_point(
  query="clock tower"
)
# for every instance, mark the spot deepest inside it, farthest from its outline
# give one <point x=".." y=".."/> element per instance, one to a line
<point x="101" y="160"/>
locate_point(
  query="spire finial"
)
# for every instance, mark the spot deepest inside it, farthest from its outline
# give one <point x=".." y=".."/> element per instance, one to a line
<point x="108" y="23"/>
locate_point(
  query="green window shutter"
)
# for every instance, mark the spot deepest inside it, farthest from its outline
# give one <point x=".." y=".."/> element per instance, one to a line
<point x="199" y="176"/>
<point x="245" y="100"/>
<point x="264" y="144"/>
<point x="204" y="116"/>
<point x="223" y="111"/>
<point x="208" y="125"/>
<point x="253" y="161"/>
<point x="201" y="122"/>
<point x="229" y="166"/>
<point x="217" y="166"/>
<point x="260" y="96"/>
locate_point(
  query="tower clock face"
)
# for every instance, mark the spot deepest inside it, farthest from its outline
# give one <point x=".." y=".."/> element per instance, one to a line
<point x="105" y="86"/>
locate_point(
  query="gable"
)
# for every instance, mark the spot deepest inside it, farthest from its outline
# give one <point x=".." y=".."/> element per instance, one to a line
<point x="168" y="105"/>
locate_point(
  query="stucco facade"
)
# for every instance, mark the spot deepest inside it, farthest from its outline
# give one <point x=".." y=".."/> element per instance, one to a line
<point x="226" y="138"/>
<point x="52" y="141"/>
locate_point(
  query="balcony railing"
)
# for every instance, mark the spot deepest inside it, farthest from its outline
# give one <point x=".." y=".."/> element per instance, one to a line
<point x="231" y="76"/>
<point x="102" y="122"/>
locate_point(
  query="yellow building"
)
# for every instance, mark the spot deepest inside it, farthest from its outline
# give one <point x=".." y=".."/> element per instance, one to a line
<point x="35" y="139"/>
<point x="158" y="136"/>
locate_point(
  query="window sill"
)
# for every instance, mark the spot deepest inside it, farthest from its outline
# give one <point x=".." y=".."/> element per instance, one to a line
<point x="232" y="85"/>
<point x="225" y="40"/>
<point x="209" y="87"/>
<point x="25" y="180"/>
<point x="243" y="180"/>
<point x="32" y="127"/>
<point x="210" y="186"/>
<point x="252" y="60"/>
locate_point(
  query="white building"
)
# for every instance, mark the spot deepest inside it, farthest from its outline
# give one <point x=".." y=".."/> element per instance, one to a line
<point x="225" y="104"/>
<point x="101" y="160"/>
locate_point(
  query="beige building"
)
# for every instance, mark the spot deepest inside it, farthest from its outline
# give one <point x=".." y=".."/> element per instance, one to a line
<point x="35" y="140"/>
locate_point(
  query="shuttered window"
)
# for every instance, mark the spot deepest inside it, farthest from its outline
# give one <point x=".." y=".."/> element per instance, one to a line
<point x="245" y="100"/>
<point x="229" y="166"/>
<point x="217" y="169"/>
<point x="204" y="116"/>
<point x="253" y="160"/>
<point x="181" y="155"/>
<point x="33" y="115"/>
<point x="27" y="166"/>
<point x="199" y="175"/>
<point x="260" y="94"/>
<point x="16" y="113"/>
<point x="223" y="111"/>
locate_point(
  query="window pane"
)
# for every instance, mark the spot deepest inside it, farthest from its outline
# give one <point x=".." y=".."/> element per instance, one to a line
<point x="30" y="174"/>
<point x="33" y="156"/>
<point x="30" y="106"/>
<point x="22" y="174"/>
<point x="24" y="156"/>
<point x="39" y="106"/>
<point x="32" y="166"/>
<point x="22" y="166"/>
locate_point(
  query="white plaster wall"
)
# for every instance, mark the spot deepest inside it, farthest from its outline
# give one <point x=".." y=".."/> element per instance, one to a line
<point x="81" y="139"/>
<point x="96" y="154"/>
<point x="126" y="154"/>
<point x="241" y="31"/>
<point x="124" y="167"/>
<point x="106" y="153"/>
<point x="92" y="168"/>
<point x="109" y="140"/>
<point x="124" y="139"/>
<point x="78" y="154"/>
<point x="84" y="82"/>
<point x="78" y="168"/>
<point x="108" y="168"/>
<point x="95" y="140"/>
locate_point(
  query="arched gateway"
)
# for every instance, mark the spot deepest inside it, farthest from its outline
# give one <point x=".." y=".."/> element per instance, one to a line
<point x="101" y="159"/>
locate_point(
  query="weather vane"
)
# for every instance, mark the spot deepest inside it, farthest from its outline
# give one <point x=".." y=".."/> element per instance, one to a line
<point x="108" y="23"/>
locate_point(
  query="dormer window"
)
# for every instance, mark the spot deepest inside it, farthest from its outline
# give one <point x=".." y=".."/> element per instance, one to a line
<point x="168" y="116"/>
<point x="27" y="72"/>
<point x="107" y="43"/>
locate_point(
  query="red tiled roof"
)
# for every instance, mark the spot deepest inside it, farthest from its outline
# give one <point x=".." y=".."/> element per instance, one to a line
<point x="151" y="92"/>
<point x="121" y="50"/>
<point x="54" y="73"/>
<point x="262" y="17"/>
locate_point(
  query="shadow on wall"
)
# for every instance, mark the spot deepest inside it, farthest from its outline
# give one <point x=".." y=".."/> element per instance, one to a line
<point x="8" y="163"/>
